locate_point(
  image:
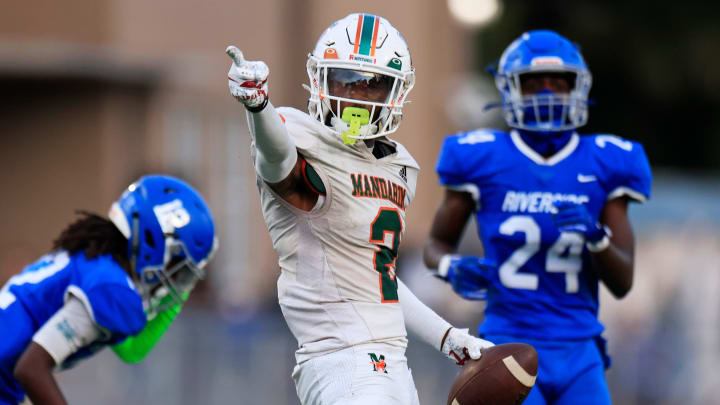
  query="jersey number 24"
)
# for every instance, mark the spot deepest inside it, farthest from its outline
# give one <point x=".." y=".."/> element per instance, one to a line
<point x="564" y="256"/>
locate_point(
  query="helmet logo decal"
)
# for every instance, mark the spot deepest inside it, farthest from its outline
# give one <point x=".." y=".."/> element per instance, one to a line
<point x="366" y="34"/>
<point x="315" y="83"/>
<point x="546" y="61"/>
<point x="395" y="63"/>
<point x="171" y="216"/>
<point x="330" y="53"/>
<point x="362" y="58"/>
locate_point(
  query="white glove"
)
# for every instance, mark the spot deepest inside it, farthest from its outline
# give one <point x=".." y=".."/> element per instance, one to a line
<point x="248" y="80"/>
<point x="460" y="346"/>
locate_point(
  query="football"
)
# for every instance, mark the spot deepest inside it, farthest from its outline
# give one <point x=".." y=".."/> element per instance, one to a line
<point x="503" y="375"/>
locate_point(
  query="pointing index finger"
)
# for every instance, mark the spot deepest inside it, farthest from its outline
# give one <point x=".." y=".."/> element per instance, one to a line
<point x="235" y="54"/>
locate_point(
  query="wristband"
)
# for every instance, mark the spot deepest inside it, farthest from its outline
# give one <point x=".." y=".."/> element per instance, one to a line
<point x="444" y="265"/>
<point x="598" y="246"/>
<point x="603" y="243"/>
<point x="259" y="108"/>
<point x="442" y="342"/>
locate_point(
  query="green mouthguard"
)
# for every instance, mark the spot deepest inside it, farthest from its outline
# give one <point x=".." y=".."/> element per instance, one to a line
<point x="355" y="117"/>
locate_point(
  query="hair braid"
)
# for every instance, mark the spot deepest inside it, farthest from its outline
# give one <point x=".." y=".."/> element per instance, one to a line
<point x="95" y="236"/>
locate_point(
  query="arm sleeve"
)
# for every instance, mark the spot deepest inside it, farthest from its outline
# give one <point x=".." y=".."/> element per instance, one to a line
<point x="276" y="152"/>
<point x="421" y="320"/>
<point x="71" y="328"/>
<point x="135" y="348"/>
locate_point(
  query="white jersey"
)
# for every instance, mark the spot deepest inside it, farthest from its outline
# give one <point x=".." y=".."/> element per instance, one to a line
<point x="337" y="286"/>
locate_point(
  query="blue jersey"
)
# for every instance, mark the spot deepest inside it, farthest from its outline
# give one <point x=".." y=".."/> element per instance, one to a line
<point x="544" y="287"/>
<point x="30" y="298"/>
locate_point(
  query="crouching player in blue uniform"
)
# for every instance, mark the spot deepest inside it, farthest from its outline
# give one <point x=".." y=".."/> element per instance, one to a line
<point x="117" y="282"/>
<point x="551" y="211"/>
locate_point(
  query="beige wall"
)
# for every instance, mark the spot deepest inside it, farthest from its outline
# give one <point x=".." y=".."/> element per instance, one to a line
<point x="76" y="21"/>
<point x="87" y="147"/>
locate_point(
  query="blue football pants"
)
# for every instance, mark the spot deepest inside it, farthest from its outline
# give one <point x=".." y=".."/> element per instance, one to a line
<point x="570" y="372"/>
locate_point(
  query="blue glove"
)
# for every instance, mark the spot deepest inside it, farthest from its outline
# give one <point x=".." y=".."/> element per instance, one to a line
<point x="468" y="275"/>
<point x="572" y="217"/>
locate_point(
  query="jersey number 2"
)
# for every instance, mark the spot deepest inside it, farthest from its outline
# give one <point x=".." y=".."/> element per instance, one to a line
<point x="387" y="225"/>
<point x="562" y="257"/>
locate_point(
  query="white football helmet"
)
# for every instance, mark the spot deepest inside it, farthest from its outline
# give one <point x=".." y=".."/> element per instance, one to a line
<point x="366" y="49"/>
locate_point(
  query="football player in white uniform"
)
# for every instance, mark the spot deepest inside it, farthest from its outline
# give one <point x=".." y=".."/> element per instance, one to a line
<point x="334" y="191"/>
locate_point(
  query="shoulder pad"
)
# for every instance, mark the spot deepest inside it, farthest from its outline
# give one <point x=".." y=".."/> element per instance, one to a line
<point x="404" y="157"/>
<point x="625" y="164"/>
<point x="118" y="309"/>
<point x="301" y="127"/>
<point x="461" y="154"/>
<point x="476" y="136"/>
<point x="114" y="302"/>
<point x="603" y="140"/>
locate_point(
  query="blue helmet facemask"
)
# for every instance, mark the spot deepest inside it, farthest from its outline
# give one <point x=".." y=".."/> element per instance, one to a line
<point x="545" y="110"/>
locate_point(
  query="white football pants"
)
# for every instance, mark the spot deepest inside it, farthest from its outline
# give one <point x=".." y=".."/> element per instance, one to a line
<point x="373" y="373"/>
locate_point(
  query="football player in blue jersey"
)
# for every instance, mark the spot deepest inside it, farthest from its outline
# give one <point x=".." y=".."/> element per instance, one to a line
<point x="552" y="214"/>
<point x="117" y="281"/>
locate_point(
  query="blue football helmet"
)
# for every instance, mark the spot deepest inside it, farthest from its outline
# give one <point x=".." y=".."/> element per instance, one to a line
<point x="171" y="237"/>
<point x="543" y="51"/>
